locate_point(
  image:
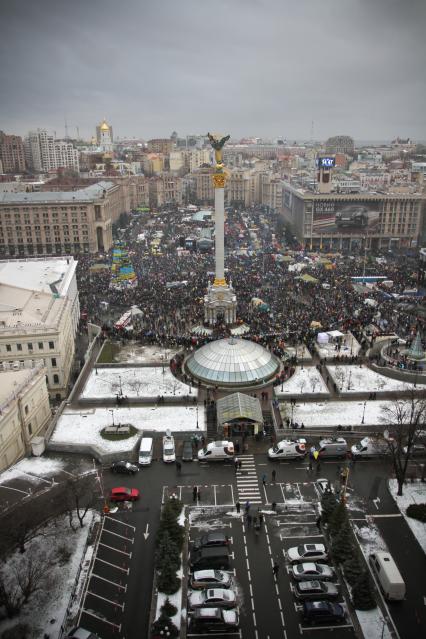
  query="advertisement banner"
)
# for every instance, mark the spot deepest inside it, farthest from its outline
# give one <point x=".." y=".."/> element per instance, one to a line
<point x="337" y="217"/>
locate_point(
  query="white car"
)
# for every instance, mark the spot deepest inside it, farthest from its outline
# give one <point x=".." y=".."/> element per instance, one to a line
<point x="288" y="449"/>
<point x="210" y="579"/>
<point x="169" y="452"/>
<point x="307" y="552"/>
<point x="310" y="571"/>
<point x="212" y="598"/>
<point x="323" y="485"/>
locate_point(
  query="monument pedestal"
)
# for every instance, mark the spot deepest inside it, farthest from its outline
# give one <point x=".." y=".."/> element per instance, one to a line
<point x="220" y="305"/>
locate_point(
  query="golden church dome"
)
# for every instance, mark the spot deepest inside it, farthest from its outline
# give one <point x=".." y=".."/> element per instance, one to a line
<point x="104" y="126"/>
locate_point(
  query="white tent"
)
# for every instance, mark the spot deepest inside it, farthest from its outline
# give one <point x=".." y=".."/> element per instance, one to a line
<point x="335" y="334"/>
<point x="323" y="338"/>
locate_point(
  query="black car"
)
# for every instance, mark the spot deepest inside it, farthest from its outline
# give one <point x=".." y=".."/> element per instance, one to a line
<point x="187" y="453"/>
<point x="322" y="612"/>
<point x="124" y="468"/>
<point x="211" y="539"/>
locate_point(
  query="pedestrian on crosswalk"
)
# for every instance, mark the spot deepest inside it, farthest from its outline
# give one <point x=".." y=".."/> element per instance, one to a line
<point x="247" y="507"/>
<point x="260" y="519"/>
<point x="236" y="463"/>
<point x="238" y="507"/>
<point x="240" y="464"/>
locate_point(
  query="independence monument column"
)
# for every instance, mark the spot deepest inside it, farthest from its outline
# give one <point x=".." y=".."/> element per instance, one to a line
<point x="220" y="303"/>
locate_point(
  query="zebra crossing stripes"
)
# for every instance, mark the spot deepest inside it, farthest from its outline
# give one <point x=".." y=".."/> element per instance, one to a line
<point x="247" y="481"/>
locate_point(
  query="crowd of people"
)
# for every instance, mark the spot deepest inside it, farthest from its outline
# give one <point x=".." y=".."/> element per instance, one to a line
<point x="169" y="313"/>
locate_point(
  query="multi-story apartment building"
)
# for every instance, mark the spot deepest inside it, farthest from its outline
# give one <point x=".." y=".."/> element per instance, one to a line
<point x="44" y="153"/>
<point x="204" y="190"/>
<point x="160" y="145"/>
<point x="332" y="221"/>
<point x="240" y="187"/>
<point x="62" y="222"/>
<point x="24" y="412"/>
<point x="271" y="190"/>
<point x="37" y="326"/>
<point x="340" y="144"/>
<point x="12" y="155"/>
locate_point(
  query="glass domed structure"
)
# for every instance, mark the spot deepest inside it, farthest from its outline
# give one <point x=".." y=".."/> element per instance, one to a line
<point x="232" y="362"/>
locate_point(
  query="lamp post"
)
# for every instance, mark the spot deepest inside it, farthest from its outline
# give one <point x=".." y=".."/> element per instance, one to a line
<point x="121" y="388"/>
<point x="196" y="407"/>
<point x="349" y="380"/>
<point x="112" y="414"/>
<point x="363" y="412"/>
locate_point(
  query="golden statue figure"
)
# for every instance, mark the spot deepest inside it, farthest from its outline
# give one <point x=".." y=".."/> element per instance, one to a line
<point x="218" y="143"/>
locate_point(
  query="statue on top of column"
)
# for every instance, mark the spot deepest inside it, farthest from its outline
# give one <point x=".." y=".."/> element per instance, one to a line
<point x="218" y="143"/>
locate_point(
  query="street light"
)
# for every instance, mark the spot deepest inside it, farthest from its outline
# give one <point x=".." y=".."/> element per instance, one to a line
<point x="121" y="388"/>
<point x="349" y="380"/>
<point x="363" y="412"/>
<point x="197" y="414"/>
<point x="112" y="413"/>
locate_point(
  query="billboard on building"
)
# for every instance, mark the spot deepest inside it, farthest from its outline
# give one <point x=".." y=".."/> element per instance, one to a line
<point x="339" y="217"/>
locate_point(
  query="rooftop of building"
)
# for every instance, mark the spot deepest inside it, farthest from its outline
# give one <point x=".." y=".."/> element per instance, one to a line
<point x="47" y="275"/>
<point x="13" y="382"/>
<point x="22" y="308"/>
<point x="88" y="194"/>
<point x="394" y="191"/>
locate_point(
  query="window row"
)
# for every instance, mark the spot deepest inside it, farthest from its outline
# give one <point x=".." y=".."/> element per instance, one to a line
<point x="30" y="346"/>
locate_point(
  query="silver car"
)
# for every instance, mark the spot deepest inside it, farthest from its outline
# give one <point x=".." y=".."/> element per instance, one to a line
<point x="316" y="590"/>
<point x="309" y="571"/>
<point x="212" y="598"/>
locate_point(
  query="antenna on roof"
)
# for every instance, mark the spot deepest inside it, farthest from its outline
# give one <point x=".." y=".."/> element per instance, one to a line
<point x="66" y="129"/>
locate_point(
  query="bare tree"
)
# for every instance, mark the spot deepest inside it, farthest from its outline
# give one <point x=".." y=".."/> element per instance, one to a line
<point x="406" y="421"/>
<point x="79" y="499"/>
<point x="17" y="585"/>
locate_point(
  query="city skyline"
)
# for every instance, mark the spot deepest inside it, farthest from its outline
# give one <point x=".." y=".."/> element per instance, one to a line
<point x="253" y="68"/>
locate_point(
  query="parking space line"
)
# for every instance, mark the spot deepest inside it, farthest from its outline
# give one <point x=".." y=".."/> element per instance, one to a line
<point x="108" y="563"/>
<point x="298" y="536"/>
<point x="303" y="629"/>
<point x="123" y="552"/>
<point x="110" y="582"/>
<point x="114" y="603"/>
<point x="92" y="614"/>
<point x="131" y="539"/>
<point x="282" y="493"/>
<point x="118" y="521"/>
<point x="232" y="494"/>
<point x="214" y="493"/>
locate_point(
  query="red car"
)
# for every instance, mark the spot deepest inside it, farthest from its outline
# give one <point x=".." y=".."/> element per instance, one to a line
<point x="124" y="494"/>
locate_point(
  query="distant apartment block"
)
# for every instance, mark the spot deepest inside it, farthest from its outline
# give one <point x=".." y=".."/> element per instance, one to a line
<point x="12" y="155"/>
<point x="44" y="153"/>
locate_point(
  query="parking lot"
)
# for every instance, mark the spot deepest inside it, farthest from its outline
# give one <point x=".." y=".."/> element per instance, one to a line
<point x="103" y="605"/>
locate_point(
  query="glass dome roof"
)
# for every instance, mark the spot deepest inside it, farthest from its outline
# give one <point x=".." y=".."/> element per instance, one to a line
<point x="232" y="362"/>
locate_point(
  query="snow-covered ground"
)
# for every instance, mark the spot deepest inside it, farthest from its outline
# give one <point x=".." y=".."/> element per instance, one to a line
<point x="301" y="352"/>
<point x="412" y="494"/>
<point x="334" y="413"/>
<point x="46" y="608"/>
<point x="84" y="427"/>
<point x="355" y="379"/>
<point x="350" y="347"/>
<point x="304" y="380"/>
<point x="137" y="353"/>
<point x="32" y="469"/>
<point x="148" y="381"/>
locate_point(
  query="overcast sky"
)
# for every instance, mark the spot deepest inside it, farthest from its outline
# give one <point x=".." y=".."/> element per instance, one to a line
<point x="247" y="67"/>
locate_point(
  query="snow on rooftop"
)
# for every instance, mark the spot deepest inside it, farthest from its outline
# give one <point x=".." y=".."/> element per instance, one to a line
<point x="37" y="275"/>
<point x="137" y="353"/>
<point x="361" y="378"/>
<point x="134" y="382"/>
<point x="32" y="469"/>
<point x="84" y="427"/>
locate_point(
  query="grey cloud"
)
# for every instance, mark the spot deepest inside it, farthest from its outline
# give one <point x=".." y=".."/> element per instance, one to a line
<point x="250" y="67"/>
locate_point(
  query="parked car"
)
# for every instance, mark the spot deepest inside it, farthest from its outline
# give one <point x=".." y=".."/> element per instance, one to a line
<point x="210" y="558"/>
<point x="288" y="449"/>
<point x="187" y="453"/>
<point x="210" y="539"/>
<point x="124" y="494"/>
<point x="81" y="633"/>
<point x="306" y="552"/>
<point x="323" y="485"/>
<point x="310" y="570"/>
<point x="125" y="467"/>
<point x="212" y="598"/>
<point x="169" y="453"/>
<point x="213" y="620"/>
<point x="315" y="590"/>
<point x="322" y="612"/>
<point x="210" y="579"/>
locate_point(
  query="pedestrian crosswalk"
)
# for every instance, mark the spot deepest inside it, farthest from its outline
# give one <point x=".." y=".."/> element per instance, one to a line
<point x="247" y="481"/>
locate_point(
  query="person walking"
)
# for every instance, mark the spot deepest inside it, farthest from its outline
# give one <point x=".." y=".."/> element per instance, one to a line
<point x="260" y="519"/>
<point x="194" y="493"/>
<point x="247" y="507"/>
<point x="178" y="466"/>
<point x="274" y="506"/>
<point x="264" y="479"/>
<point x="240" y="464"/>
<point x="238" y="507"/>
<point x="198" y="494"/>
<point x="236" y="464"/>
<point x="249" y="518"/>
<point x="274" y="476"/>
<point x="275" y="569"/>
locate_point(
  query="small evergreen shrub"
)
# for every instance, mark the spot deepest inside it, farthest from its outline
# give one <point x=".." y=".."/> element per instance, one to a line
<point x="168" y="609"/>
<point x="417" y="511"/>
<point x="362" y="593"/>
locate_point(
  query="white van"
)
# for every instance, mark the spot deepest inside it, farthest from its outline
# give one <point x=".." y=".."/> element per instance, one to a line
<point x="169" y="451"/>
<point x="388" y="576"/>
<point x="217" y="451"/>
<point x="368" y="447"/>
<point x="335" y="447"/>
<point x="288" y="449"/>
<point x="146" y="451"/>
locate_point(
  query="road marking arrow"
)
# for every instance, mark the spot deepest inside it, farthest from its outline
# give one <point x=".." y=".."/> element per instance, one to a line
<point x="376" y="502"/>
<point x="146" y="533"/>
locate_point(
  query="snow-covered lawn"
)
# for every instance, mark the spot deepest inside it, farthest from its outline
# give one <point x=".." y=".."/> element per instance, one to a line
<point x="32" y="469"/>
<point x="301" y="352"/>
<point x="355" y="379"/>
<point x="304" y="380"/>
<point x="137" y="353"/>
<point x="134" y="382"/>
<point x="412" y="494"/>
<point x="350" y="347"/>
<point x="335" y="413"/>
<point x="46" y="608"/>
<point x="84" y="427"/>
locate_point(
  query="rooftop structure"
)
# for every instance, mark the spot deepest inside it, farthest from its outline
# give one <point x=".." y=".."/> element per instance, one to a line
<point x="88" y="194"/>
